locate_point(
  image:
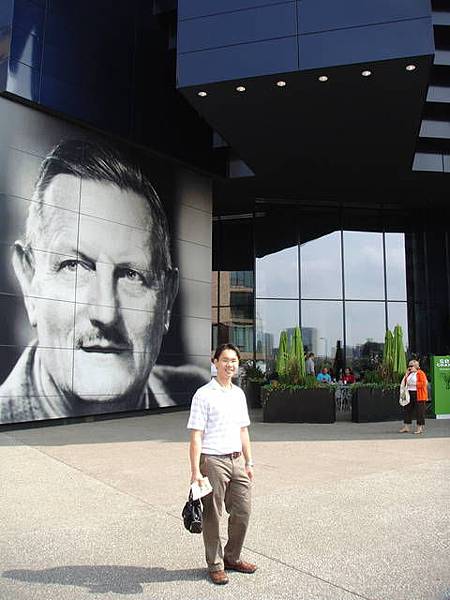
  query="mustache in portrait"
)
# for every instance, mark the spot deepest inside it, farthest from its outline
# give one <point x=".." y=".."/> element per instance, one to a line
<point x="103" y="336"/>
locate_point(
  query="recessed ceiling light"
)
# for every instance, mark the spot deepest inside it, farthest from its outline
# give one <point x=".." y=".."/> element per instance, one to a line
<point x="240" y="88"/>
<point x="281" y="83"/>
<point x="366" y="73"/>
<point x="410" y="67"/>
<point x="323" y="78"/>
<point x="202" y="94"/>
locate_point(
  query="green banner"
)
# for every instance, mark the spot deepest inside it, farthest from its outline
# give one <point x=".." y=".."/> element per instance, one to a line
<point x="440" y="377"/>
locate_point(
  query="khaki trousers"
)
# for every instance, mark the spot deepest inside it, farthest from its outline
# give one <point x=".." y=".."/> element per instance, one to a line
<point x="232" y="488"/>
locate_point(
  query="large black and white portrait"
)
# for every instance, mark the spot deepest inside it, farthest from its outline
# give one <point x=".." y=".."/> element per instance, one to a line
<point x="93" y="320"/>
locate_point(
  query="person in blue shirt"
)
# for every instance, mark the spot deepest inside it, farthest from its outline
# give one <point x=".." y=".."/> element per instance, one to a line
<point x="324" y="376"/>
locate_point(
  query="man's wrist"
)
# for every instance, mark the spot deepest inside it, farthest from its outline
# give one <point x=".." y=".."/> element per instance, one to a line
<point x="249" y="463"/>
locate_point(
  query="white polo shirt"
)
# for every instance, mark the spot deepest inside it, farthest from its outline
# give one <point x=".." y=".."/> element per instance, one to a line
<point x="220" y="414"/>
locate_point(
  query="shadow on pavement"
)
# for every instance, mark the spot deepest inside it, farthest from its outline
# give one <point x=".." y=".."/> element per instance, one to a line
<point x="171" y="428"/>
<point x="102" y="579"/>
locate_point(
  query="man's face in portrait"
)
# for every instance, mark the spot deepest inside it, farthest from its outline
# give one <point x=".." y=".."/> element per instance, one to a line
<point x="97" y="247"/>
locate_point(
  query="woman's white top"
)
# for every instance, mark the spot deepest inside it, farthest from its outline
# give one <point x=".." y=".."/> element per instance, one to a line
<point x="411" y="381"/>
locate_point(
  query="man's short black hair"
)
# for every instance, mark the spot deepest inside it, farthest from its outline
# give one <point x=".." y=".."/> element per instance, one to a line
<point x="98" y="160"/>
<point x="227" y="346"/>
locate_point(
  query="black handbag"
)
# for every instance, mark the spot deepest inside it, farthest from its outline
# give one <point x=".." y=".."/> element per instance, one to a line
<point x="192" y="515"/>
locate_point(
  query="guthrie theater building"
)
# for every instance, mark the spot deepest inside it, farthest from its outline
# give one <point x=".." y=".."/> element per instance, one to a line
<point x="300" y="151"/>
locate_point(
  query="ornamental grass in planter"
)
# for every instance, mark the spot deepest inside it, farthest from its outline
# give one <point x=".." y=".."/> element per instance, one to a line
<point x="254" y="379"/>
<point x="377" y="397"/>
<point x="375" y="402"/>
<point x="298" y="398"/>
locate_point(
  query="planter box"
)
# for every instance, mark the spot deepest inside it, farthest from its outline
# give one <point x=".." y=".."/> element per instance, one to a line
<point x="374" y="404"/>
<point x="302" y="406"/>
<point x="253" y="394"/>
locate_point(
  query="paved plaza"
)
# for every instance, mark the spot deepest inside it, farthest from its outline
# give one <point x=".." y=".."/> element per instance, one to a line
<point x="341" y="512"/>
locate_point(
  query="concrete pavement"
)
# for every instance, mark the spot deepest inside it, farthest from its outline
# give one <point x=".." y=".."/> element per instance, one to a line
<point x="341" y="511"/>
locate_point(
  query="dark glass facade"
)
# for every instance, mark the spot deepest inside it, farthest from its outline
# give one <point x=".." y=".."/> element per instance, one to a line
<point x="109" y="64"/>
<point x="343" y="274"/>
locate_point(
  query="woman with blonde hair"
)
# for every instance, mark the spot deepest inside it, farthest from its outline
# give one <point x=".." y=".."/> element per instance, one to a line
<point x="416" y="382"/>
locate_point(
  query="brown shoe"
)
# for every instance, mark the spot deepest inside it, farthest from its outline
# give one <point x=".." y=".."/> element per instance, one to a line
<point x="241" y="566"/>
<point x="218" y="577"/>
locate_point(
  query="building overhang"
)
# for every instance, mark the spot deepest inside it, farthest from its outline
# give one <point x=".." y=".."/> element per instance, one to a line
<point x="349" y="127"/>
<point x="309" y="89"/>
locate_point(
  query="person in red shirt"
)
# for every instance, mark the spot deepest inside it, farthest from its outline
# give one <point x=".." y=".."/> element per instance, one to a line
<point x="348" y="376"/>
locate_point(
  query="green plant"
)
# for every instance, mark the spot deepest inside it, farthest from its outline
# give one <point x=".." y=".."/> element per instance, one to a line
<point x="282" y="354"/>
<point x="292" y="374"/>
<point x="383" y="385"/>
<point x="309" y="382"/>
<point x="373" y="376"/>
<point x="393" y="365"/>
<point x="296" y="352"/>
<point x="399" y="364"/>
<point x="388" y="351"/>
<point x="382" y="375"/>
<point x="253" y="373"/>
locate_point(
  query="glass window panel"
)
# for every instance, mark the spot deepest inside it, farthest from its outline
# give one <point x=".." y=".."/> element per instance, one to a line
<point x="272" y="316"/>
<point x="395" y="266"/>
<point x="322" y="327"/>
<point x="214" y="338"/>
<point x="236" y="328"/>
<point x="398" y="315"/>
<point x="236" y="290"/>
<point x="241" y="279"/>
<point x="366" y="327"/>
<point x="321" y="267"/>
<point x="214" y="288"/>
<point x="277" y="274"/>
<point x="363" y="265"/>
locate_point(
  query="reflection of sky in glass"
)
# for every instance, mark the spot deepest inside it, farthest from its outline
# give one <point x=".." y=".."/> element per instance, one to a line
<point x="321" y="267"/>
<point x="363" y="265"/>
<point x="322" y="326"/>
<point x="272" y="316"/>
<point x="23" y="78"/>
<point x="321" y="279"/>
<point x="398" y="315"/>
<point x="395" y="266"/>
<point x="364" y="321"/>
<point x="277" y="274"/>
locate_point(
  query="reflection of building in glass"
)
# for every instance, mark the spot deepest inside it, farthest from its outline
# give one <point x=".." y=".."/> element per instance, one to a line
<point x="329" y="265"/>
<point x="365" y="356"/>
<point x="264" y="346"/>
<point x="310" y="339"/>
<point x="232" y="319"/>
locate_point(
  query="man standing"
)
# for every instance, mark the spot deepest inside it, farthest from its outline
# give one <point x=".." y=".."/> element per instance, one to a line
<point x="310" y="367"/>
<point x="220" y="449"/>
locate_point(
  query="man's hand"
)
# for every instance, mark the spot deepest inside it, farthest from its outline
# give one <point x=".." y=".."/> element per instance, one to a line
<point x="195" y="446"/>
<point x="249" y="471"/>
<point x="197" y="477"/>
